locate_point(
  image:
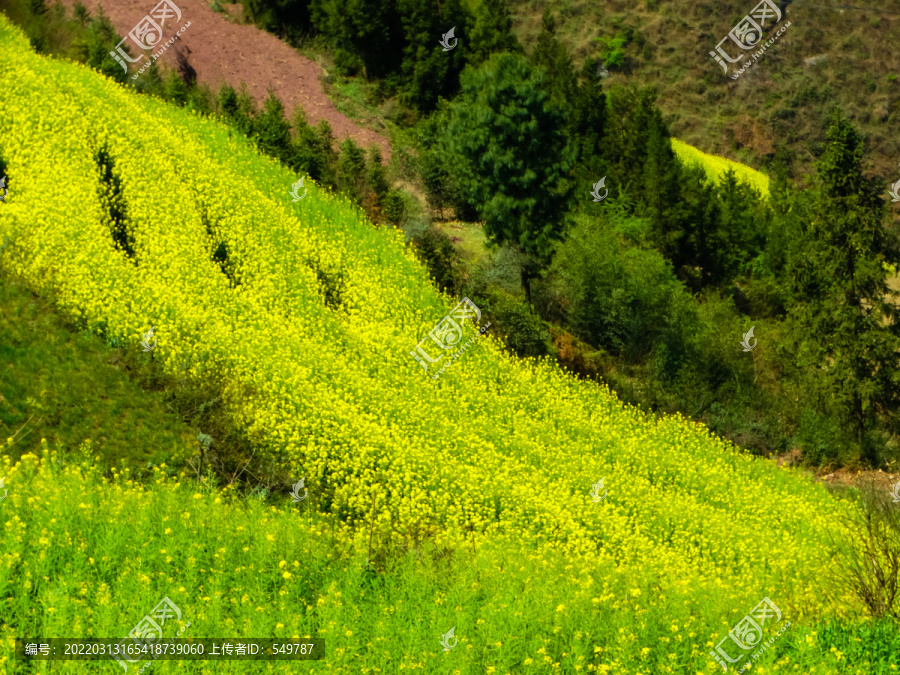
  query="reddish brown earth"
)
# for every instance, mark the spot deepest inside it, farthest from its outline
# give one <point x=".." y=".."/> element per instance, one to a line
<point x="221" y="51"/>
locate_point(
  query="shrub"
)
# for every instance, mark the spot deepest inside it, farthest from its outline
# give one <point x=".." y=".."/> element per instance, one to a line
<point x="439" y="255"/>
<point x="524" y="332"/>
<point x="614" y="296"/>
<point x="394" y="207"/>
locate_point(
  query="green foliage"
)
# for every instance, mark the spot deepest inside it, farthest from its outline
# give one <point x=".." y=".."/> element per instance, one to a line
<point x="237" y="107"/>
<point x="613" y="47"/>
<point x="289" y="19"/>
<point x="376" y="179"/>
<point x="439" y="255"/>
<point x="506" y="141"/>
<point x="272" y="132"/>
<point x="367" y="34"/>
<point x="587" y="124"/>
<point x="522" y="329"/>
<point x="551" y="55"/>
<point x="617" y="297"/>
<point x="846" y="319"/>
<point x="491" y="32"/>
<point x="440" y="189"/>
<point x="428" y="72"/>
<point x="394" y="207"/>
<point x="351" y="170"/>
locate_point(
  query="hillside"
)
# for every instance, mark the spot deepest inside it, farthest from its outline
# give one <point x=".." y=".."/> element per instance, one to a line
<point x="832" y="54"/>
<point x="302" y="316"/>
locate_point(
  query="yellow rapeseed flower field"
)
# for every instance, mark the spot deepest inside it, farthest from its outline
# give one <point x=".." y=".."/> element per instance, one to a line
<point x="716" y="166"/>
<point x="494" y="460"/>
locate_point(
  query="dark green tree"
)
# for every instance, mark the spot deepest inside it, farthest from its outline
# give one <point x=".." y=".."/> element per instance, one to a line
<point x="629" y="123"/>
<point x="491" y="32"/>
<point x="740" y="235"/>
<point x="431" y="164"/>
<point x="551" y="55"/>
<point x="660" y="190"/>
<point x="428" y="71"/>
<point x="272" y="132"/>
<point x="311" y="156"/>
<point x="376" y="180"/>
<point x="587" y="124"/>
<point x="351" y="170"/>
<point x="238" y="107"/>
<point x="847" y="323"/>
<point x="507" y="144"/>
<point x="367" y="34"/>
<point x="289" y="19"/>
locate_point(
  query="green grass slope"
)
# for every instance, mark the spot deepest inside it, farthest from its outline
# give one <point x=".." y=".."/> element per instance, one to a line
<point x="302" y="316"/>
<point x="69" y="388"/>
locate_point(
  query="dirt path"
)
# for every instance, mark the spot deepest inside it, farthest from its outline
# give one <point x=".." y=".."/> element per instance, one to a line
<point x="220" y="51"/>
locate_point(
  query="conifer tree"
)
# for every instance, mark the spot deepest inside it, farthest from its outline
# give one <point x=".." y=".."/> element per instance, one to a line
<point x="551" y="55"/>
<point x="491" y="32"/>
<point x="846" y="318"/>
<point x="587" y="124"/>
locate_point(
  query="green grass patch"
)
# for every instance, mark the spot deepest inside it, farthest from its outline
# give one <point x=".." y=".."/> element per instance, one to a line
<point x="70" y="387"/>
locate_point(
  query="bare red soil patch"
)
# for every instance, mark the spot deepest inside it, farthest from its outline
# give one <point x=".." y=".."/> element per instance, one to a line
<point x="223" y="52"/>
